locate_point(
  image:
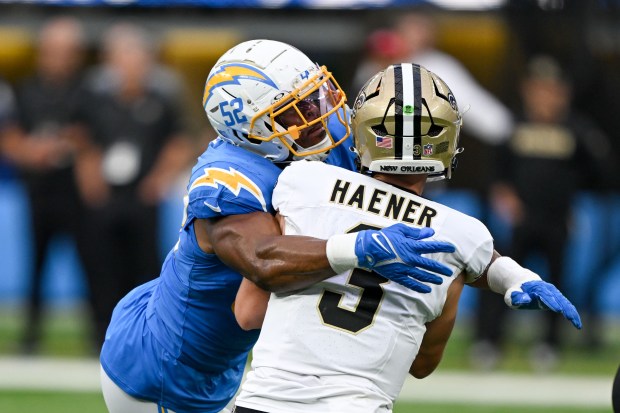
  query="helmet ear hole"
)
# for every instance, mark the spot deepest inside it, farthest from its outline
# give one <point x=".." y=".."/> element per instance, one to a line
<point x="252" y="140"/>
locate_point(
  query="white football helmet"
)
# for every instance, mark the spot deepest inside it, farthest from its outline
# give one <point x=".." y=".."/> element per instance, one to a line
<point x="406" y="121"/>
<point x="270" y="98"/>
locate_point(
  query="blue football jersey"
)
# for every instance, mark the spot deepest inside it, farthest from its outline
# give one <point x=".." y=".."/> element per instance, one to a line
<point x="175" y="340"/>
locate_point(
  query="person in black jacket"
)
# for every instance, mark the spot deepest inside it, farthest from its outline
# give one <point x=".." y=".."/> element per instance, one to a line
<point x="137" y="148"/>
<point x="553" y="153"/>
<point x="41" y="148"/>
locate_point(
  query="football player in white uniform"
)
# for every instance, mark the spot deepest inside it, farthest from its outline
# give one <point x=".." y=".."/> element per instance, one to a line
<point x="347" y="343"/>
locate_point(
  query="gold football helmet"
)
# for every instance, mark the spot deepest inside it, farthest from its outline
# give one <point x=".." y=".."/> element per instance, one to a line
<point x="406" y="121"/>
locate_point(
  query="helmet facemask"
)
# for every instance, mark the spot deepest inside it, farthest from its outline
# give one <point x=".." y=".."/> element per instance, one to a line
<point x="300" y="119"/>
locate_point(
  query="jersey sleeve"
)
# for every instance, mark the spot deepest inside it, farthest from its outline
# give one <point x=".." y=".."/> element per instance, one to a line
<point x="228" y="180"/>
<point x="225" y="190"/>
<point x="210" y="202"/>
<point x="476" y="246"/>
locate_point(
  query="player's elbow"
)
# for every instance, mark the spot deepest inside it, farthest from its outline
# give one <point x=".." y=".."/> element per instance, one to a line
<point x="420" y="373"/>
<point x="248" y="322"/>
<point x="267" y="276"/>
<point x="250" y="314"/>
<point x="423" y="366"/>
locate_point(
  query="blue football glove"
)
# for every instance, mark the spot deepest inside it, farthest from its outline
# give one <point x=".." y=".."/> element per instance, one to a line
<point x="396" y="252"/>
<point x="536" y="295"/>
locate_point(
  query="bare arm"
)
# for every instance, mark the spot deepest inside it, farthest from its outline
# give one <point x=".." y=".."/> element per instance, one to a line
<point x="251" y="301"/>
<point x="250" y="305"/>
<point x="253" y="245"/>
<point x="439" y="330"/>
<point x="176" y="155"/>
<point x="437" y="334"/>
<point x="31" y="151"/>
<point x="91" y="183"/>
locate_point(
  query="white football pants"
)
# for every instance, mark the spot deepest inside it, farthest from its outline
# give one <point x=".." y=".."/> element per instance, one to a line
<point x="118" y="401"/>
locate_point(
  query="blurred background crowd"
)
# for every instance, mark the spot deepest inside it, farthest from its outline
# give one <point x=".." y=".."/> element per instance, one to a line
<point x="101" y="121"/>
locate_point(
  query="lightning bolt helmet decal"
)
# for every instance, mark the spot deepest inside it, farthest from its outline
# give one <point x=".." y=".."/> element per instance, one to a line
<point x="231" y="74"/>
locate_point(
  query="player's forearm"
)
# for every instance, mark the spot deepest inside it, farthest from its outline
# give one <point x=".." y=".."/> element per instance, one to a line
<point x="433" y="345"/>
<point x="287" y="263"/>
<point x="438" y="333"/>
<point x="425" y="364"/>
<point x="250" y="305"/>
<point x="252" y="244"/>
<point x="176" y="155"/>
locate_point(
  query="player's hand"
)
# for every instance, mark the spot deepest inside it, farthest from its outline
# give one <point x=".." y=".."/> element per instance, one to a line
<point x="536" y="295"/>
<point x="396" y="252"/>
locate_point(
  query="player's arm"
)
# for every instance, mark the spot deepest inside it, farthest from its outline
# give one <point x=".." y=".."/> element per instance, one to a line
<point x="250" y="305"/>
<point x="524" y="289"/>
<point x="172" y="159"/>
<point x="253" y="245"/>
<point x="251" y="301"/>
<point x="437" y="334"/>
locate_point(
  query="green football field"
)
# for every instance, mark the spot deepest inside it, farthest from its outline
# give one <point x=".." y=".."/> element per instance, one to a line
<point x="66" y="332"/>
<point x="65" y="337"/>
<point x="61" y="402"/>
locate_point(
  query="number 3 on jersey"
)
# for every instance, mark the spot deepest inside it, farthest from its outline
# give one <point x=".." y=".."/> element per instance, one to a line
<point x="369" y="301"/>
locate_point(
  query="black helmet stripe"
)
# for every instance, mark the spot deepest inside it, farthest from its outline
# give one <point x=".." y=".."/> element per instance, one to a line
<point x="407" y="112"/>
<point x="398" y="112"/>
<point x="417" y="111"/>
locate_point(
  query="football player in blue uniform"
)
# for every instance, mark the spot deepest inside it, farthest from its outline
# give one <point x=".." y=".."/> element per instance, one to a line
<point x="173" y="344"/>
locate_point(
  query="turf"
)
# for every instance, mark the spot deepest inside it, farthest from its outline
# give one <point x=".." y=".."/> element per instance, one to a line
<point x="481" y="408"/>
<point x="64" y="402"/>
<point x="50" y="402"/>
<point x="66" y="335"/>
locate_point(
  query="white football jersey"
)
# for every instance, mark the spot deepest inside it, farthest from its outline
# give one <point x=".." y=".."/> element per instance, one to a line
<point x="346" y="344"/>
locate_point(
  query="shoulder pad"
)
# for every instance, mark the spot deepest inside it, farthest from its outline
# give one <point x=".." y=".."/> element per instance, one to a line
<point x="219" y="192"/>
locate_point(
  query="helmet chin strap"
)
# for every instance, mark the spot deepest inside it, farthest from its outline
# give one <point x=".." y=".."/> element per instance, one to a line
<point x="325" y="142"/>
<point x="316" y="157"/>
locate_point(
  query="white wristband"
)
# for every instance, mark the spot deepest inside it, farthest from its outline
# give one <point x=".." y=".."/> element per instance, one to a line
<point x="340" y="252"/>
<point x="505" y="274"/>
